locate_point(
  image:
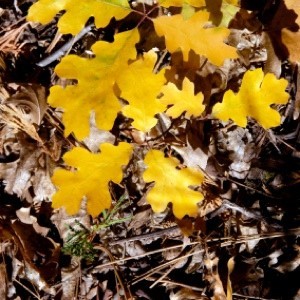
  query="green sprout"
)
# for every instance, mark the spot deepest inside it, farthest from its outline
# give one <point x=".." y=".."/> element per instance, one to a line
<point x="79" y="241"/>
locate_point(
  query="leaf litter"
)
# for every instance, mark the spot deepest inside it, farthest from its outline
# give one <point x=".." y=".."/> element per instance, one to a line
<point x="240" y="241"/>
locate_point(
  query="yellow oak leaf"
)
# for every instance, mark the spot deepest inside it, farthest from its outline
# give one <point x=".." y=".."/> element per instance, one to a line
<point x="183" y="100"/>
<point x="172" y="185"/>
<point x="78" y="12"/>
<point x="96" y="78"/>
<point x="91" y="177"/>
<point x="191" y="34"/>
<point x="180" y="3"/>
<point x="221" y="13"/>
<point x="291" y="38"/>
<point x="195" y="3"/>
<point x="283" y="29"/>
<point x="140" y="87"/>
<point x="256" y="94"/>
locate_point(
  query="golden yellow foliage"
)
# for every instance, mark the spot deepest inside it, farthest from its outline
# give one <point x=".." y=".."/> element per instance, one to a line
<point x="195" y="3"/>
<point x="94" y="91"/>
<point x="77" y="13"/>
<point x="291" y="39"/>
<point x="254" y="98"/>
<point x="179" y="3"/>
<point x="182" y="100"/>
<point x="91" y="177"/>
<point x="140" y="87"/>
<point x="147" y="94"/>
<point x="191" y="34"/>
<point x="172" y="185"/>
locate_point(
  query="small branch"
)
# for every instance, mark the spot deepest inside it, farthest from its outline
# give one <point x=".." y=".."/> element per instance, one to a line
<point x="65" y="48"/>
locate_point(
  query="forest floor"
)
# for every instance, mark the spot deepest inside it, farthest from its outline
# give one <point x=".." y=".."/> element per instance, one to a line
<point x="244" y="243"/>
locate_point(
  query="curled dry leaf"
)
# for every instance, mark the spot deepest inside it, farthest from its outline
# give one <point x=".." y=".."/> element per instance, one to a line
<point x="29" y="171"/>
<point x="31" y="101"/>
<point x="186" y="294"/>
<point x="283" y="29"/>
<point x="239" y="145"/>
<point x="40" y="253"/>
<point x="213" y="278"/>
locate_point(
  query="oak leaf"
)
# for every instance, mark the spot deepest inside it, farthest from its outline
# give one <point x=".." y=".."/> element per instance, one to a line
<point x="183" y="100"/>
<point x="77" y="13"/>
<point x="291" y="38"/>
<point x="96" y="78"/>
<point x="195" y="3"/>
<point x="191" y="34"/>
<point x="172" y="185"/>
<point x="283" y="28"/>
<point x="180" y="3"/>
<point x="140" y="87"/>
<point x="221" y="13"/>
<point x="91" y="177"/>
<point x="256" y="94"/>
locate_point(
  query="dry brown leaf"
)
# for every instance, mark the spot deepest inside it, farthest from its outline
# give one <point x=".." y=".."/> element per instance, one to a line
<point x="31" y="170"/>
<point x="40" y="253"/>
<point x="31" y="101"/>
<point x="193" y="158"/>
<point x="25" y="217"/>
<point x="213" y="278"/>
<point x="97" y="136"/>
<point x="230" y="265"/>
<point x="3" y="281"/>
<point x="186" y="294"/>
<point x="237" y="142"/>
<point x="283" y="29"/>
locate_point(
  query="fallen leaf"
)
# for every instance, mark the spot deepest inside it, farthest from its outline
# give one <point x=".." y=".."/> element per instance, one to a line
<point x="180" y="3"/>
<point x="256" y="94"/>
<point x="182" y="100"/>
<point x="181" y="33"/>
<point x="91" y="178"/>
<point x="95" y="89"/>
<point x="140" y="87"/>
<point x="77" y="14"/>
<point x="172" y="185"/>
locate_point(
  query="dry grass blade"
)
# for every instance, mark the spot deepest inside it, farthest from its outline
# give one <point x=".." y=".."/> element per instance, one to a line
<point x="118" y="277"/>
<point x="8" y="42"/>
<point x="122" y="260"/>
<point x="165" y="265"/>
<point x="190" y="253"/>
<point x="14" y="118"/>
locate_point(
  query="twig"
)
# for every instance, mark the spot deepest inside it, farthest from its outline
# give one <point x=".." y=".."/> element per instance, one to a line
<point x="235" y="207"/>
<point x="251" y="188"/>
<point x="146" y="236"/>
<point x="65" y="48"/>
<point x="122" y="260"/>
<point x="27" y="289"/>
<point x="118" y="278"/>
<point x="190" y="252"/>
<point x="191" y="287"/>
<point x="161" y="267"/>
<point x="225" y="241"/>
